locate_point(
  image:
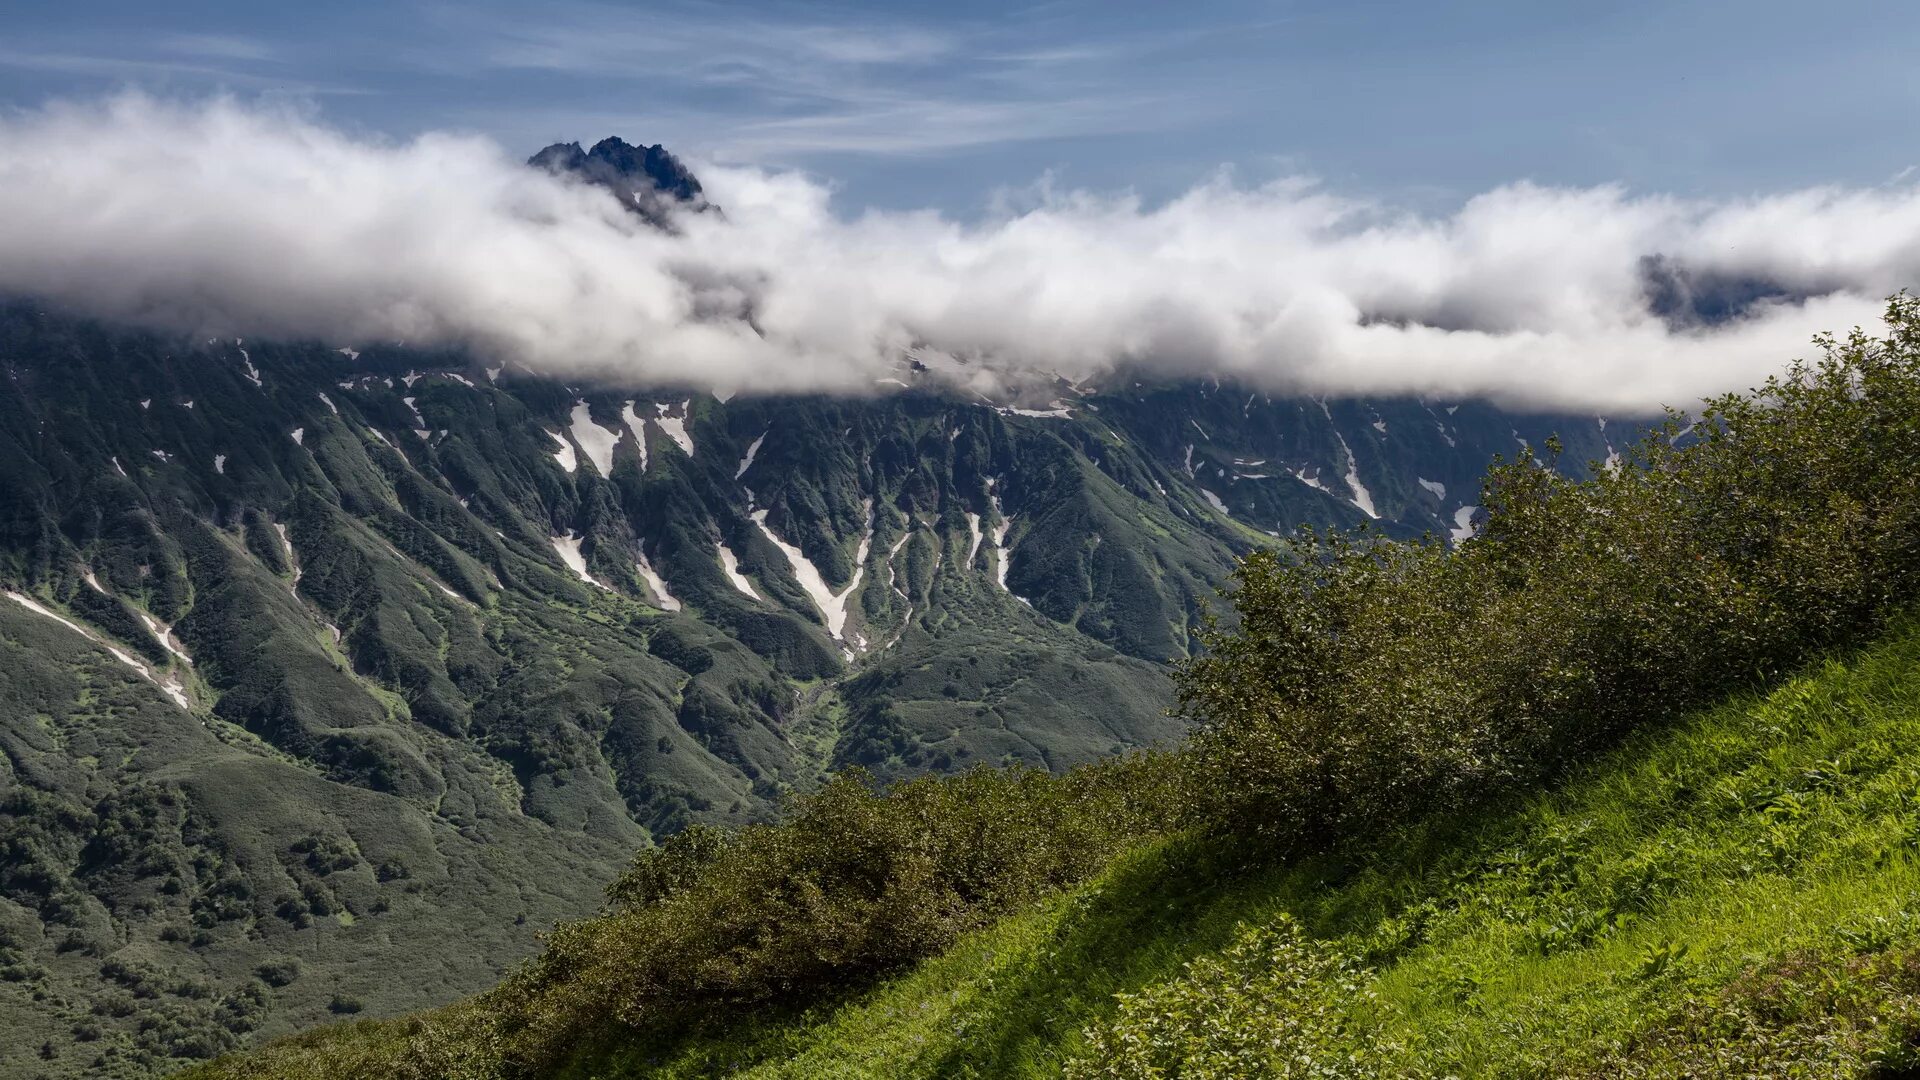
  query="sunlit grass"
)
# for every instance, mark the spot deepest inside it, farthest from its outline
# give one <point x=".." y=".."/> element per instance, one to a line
<point x="1539" y="936"/>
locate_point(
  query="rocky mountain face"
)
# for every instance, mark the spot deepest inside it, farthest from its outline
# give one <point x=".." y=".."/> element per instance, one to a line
<point x="332" y="672"/>
<point x="646" y="179"/>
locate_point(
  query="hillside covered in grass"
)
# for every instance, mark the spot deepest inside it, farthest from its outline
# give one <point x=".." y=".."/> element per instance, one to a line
<point x="1734" y="896"/>
<point x="1611" y="789"/>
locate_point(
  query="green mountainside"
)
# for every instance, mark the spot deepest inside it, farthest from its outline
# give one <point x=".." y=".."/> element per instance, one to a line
<point x="1735" y="897"/>
<point x="342" y="670"/>
<point x="1622" y="786"/>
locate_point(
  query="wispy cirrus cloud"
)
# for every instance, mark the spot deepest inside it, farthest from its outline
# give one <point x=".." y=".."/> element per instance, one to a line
<point x="756" y="85"/>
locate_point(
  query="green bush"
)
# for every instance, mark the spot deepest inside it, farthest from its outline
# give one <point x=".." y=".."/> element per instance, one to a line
<point x="853" y="884"/>
<point x="1366" y="681"/>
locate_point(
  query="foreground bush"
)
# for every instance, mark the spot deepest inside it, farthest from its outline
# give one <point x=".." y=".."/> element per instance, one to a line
<point x="1369" y="681"/>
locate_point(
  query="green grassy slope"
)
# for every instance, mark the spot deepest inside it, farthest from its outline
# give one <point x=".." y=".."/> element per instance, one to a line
<point x="1737" y="895"/>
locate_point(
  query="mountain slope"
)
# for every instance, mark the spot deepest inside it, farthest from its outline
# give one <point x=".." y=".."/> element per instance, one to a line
<point x="1730" y="897"/>
<point x="414" y="627"/>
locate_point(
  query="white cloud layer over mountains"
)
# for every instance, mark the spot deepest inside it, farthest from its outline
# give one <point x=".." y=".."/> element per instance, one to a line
<point x="236" y="219"/>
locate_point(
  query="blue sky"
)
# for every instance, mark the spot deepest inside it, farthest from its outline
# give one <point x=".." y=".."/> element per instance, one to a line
<point x="908" y="105"/>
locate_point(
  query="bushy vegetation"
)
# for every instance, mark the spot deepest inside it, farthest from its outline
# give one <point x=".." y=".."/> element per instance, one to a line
<point x="1732" y="898"/>
<point x="1368" y="681"/>
<point x="854" y="884"/>
<point x="1728" y="896"/>
<point x="1373" y="689"/>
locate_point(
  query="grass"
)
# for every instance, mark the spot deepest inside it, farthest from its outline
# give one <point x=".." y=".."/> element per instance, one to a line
<point x="1684" y="879"/>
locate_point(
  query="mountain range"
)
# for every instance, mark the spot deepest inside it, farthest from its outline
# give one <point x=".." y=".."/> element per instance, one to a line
<point x="334" y="671"/>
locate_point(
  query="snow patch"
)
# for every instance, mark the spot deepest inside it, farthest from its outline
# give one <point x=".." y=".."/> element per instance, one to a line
<point x="286" y="547"/>
<point x="349" y="353"/>
<point x="568" y="548"/>
<point x="116" y="466"/>
<point x="662" y="598"/>
<point x="418" y="420"/>
<point x="1001" y="564"/>
<point x="39" y="609"/>
<point x="220" y="464"/>
<point x="1361" y="497"/>
<point x="563" y="452"/>
<point x="596" y="441"/>
<point x="164" y="635"/>
<point x="331" y="407"/>
<point x="299" y="436"/>
<point x="675" y="426"/>
<point x="1055" y="410"/>
<point x="1438" y="489"/>
<point x="253" y="373"/>
<point x="752" y="452"/>
<point x="173" y="688"/>
<point x="1463" y="524"/>
<point x="731" y="564"/>
<point x="973" y="530"/>
<point x="1214" y="501"/>
<point x="493" y="373"/>
<point x="638" y="425"/>
<point x="831" y="604"/>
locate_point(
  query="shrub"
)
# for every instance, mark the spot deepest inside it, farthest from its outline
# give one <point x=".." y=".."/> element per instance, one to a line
<point x="1369" y="681"/>
<point x="855" y="883"/>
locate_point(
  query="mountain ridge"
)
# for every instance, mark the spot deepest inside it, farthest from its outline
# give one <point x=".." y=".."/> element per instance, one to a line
<point x="484" y="631"/>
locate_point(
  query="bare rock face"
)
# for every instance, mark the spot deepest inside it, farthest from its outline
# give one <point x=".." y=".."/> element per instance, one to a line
<point x="647" y="179"/>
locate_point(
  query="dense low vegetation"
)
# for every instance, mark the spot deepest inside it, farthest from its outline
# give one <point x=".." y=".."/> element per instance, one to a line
<point x="1373" y="688"/>
<point x="1369" y="681"/>
<point x="1730" y="895"/>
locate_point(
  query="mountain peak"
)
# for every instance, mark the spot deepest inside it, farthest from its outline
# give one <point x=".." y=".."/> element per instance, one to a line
<point x="648" y="179"/>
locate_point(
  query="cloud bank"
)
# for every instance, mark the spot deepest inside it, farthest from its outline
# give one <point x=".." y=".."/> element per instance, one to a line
<point x="237" y="219"/>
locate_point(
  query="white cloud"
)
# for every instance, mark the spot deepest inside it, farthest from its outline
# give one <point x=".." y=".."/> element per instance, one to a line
<point x="249" y="220"/>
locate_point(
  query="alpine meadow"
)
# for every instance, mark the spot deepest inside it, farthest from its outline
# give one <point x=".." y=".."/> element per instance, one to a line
<point x="1128" y="542"/>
